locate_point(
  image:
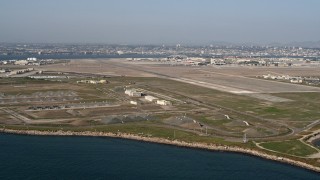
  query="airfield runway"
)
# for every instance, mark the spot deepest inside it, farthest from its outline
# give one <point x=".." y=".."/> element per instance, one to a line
<point x="233" y="79"/>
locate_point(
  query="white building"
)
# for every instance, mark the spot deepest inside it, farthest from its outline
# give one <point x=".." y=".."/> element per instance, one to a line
<point x="92" y="81"/>
<point x="150" y="98"/>
<point x="21" y="62"/>
<point x="4" y="62"/>
<point x="217" y="61"/>
<point x="164" y="102"/>
<point x="133" y="102"/>
<point x="32" y="59"/>
<point x="296" y="80"/>
<point x="48" y="77"/>
<point x="129" y="91"/>
<point x="133" y="93"/>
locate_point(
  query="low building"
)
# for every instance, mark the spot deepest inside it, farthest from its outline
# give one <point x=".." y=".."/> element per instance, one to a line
<point x="129" y="91"/>
<point x="311" y="79"/>
<point x="217" y="61"/>
<point x="102" y="81"/>
<point x="21" y="62"/>
<point x="134" y="102"/>
<point x="283" y="77"/>
<point x="93" y="81"/>
<point x="164" y="102"/>
<point x="48" y="77"/>
<point x="35" y="63"/>
<point x="32" y="59"/>
<point x="296" y="80"/>
<point x="21" y="71"/>
<point x="133" y="93"/>
<point x="150" y="98"/>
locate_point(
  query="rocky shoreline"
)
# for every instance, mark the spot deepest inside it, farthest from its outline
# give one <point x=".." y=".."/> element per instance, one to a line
<point x="168" y="142"/>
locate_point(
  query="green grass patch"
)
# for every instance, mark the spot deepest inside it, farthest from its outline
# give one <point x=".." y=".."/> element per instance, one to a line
<point x="291" y="147"/>
<point x="272" y="110"/>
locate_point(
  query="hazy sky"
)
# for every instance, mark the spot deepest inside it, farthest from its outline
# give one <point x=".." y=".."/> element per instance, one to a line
<point x="159" y="21"/>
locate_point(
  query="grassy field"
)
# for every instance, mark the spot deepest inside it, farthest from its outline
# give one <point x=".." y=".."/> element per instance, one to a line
<point x="204" y="105"/>
<point x="303" y="107"/>
<point x="291" y="147"/>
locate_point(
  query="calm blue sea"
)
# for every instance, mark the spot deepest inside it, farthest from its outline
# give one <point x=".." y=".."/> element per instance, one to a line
<point x="317" y="142"/>
<point x="48" y="157"/>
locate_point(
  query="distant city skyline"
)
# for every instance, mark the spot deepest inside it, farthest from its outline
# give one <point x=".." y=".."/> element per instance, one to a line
<point x="159" y="22"/>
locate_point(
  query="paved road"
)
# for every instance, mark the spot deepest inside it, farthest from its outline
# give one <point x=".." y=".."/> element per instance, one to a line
<point x="17" y="115"/>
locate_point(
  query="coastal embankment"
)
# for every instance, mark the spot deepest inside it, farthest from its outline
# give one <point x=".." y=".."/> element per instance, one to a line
<point x="213" y="147"/>
<point x="315" y="136"/>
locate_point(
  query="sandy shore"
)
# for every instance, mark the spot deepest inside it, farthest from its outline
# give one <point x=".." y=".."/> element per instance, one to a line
<point x="168" y="142"/>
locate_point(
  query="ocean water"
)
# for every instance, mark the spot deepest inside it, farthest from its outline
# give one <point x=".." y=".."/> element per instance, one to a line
<point x="317" y="142"/>
<point x="48" y="157"/>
